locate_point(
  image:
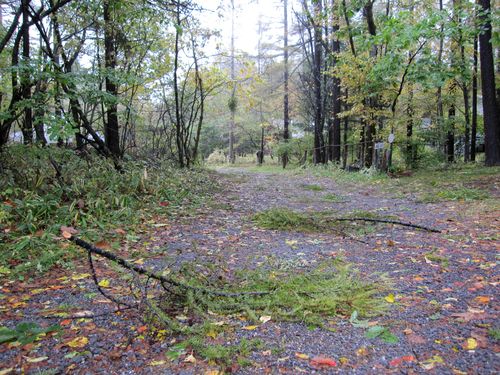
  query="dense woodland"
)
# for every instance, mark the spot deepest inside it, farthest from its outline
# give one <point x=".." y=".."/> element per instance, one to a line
<point x="136" y="77"/>
<point x="174" y="200"/>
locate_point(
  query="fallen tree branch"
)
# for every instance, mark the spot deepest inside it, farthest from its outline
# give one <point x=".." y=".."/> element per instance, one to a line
<point x="386" y="221"/>
<point x="144" y="271"/>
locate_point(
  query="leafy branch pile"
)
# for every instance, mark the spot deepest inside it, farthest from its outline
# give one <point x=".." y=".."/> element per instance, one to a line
<point x="44" y="188"/>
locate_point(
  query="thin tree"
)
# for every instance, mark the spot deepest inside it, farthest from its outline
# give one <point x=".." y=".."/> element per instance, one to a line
<point x="286" y="114"/>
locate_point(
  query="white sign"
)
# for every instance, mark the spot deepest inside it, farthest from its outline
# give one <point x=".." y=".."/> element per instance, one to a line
<point x="391" y="138"/>
<point x="379" y="145"/>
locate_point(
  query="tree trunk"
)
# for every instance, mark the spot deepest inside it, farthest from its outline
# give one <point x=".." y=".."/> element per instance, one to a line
<point x="27" y="124"/>
<point x="410" y="148"/>
<point x="490" y="105"/>
<point x="178" y="125"/>
<point x="336" y="94"/>
<point x="111" y="126"/>
<point x="319" y="143"/>
<point x="474" y="104"/>
<point x="232" y="157"/>
<point x="450" y="143"/>
<point x="286" y="114"/>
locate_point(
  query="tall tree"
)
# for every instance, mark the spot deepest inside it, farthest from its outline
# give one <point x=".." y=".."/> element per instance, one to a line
<point x="232" y="100"/>
<point x="111" y="126"/>
<point x="490" y="104"/>
<point x="286" y="114"/>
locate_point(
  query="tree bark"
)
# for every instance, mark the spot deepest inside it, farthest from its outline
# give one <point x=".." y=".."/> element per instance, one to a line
<point x="286" y="114"/>
<point x="111" y="126"/>
<point x="474" y="103"/>
<point x="490" y="105"/>
<point x="319" y="143"/>
<point x="27" y="124"/>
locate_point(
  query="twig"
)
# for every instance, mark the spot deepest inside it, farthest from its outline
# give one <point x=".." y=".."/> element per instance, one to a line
<point x="387" y="221"/>
<point x="96" y="282"/>
<point x="144" y="271"/>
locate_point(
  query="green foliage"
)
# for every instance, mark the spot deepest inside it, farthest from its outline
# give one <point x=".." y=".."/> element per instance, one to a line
<point x="313" y="187"/>
<point x="456" y="194"/>
<point x="331" y="197"/>
<point x="25" y="333"/>
<point x="90" y="195"/>
<point x="382" y="333"/>
<point x="332" y="289"/>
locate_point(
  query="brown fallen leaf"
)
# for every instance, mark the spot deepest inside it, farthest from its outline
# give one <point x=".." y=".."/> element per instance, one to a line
<point x="416" y="339"/>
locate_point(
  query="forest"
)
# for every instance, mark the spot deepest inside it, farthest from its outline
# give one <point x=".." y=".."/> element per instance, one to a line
<point x="249" y="186"/>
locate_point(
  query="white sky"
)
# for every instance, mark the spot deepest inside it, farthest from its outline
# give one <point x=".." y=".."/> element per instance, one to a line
<point x="247" y="14"/>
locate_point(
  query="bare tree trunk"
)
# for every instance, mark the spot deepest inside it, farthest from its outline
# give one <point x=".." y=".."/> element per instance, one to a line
<point x="319" y="143"/>
<point x="178" y="120"/>
<point x="336" y="94"/>
<point x="474" y="104"/>
<point x="232" y="108"/>
<point x="111" y="127"/>
<point x="27" y="124"/>
<point x="286" y="114"/>
<point x="450" y="143"/>
<point x="490" y="104"/>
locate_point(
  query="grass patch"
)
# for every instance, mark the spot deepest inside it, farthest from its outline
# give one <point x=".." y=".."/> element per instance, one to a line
<point x="457" y="194"/>
<point x="334" y="198"/>
<point x="313" y="187"/>
<point x="433" y="257"/>
<point x="289" y="220"/>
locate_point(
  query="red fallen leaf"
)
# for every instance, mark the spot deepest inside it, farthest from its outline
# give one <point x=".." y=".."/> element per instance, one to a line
<point x="142" y="329"/>
<point x="66" y="322"/>
<point x="164" y="204"/>
<point x="398" y="361"/>
<point x="323" y="361"/>
<point x="67" y="232"/>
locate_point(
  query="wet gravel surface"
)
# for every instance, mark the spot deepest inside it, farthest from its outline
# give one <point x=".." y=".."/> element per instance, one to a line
<point x="445" y="286"/>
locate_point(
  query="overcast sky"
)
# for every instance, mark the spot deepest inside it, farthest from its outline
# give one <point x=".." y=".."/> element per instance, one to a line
<point x="247" y="13"/>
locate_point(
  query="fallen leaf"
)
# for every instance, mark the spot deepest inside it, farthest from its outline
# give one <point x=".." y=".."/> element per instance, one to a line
<point x="78" y="342"/>
<point x="104" y="283"/>
<point x="482" y="300"/>
<point x="470" y="344"/>
<point x="323" y="361"/>
<point x="400" y="360"/>
<point x="265" y="318"/>
<point x="157" y="363"/>
<point x="430" y="363"/>
<point x="250" y="328"/>
<point x="103" y="245"/>
<point x="6" y="371"/>
<point x="36" y="360"/>
<point x="301" y="356"/>
<point x="190" y="359"/>
<point x="416" y="339"/>
<point x="390" y="298"/>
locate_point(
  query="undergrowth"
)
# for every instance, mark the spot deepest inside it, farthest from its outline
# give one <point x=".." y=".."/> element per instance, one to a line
<point x="89" y="194"/>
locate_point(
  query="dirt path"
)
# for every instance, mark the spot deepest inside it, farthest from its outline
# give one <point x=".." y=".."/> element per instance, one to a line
<point x="445" y="312"/>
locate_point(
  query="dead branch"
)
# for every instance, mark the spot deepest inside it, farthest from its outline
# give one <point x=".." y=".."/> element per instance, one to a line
<point x="386" y="221"/>
<point x="144" y="271"/>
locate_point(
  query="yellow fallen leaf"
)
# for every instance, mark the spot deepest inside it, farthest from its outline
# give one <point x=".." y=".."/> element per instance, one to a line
<point x="470" y="344"/>
<point x="80" y="276"/>
<point x="139" y="261"/>
<point x="104" y="283"/>
<point x="301" y="356"/>
<point x="291" y="242"/>
<point x="78" y="342"/>
<point x="213" y="372"/>
<point x="250" y="328"/>
<point x="190" y="359"/>
<point x="390" y="298"/>
<point x="157" y="363"/>
<point x="36" y="360"/>
<point x="212" y="333"/>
